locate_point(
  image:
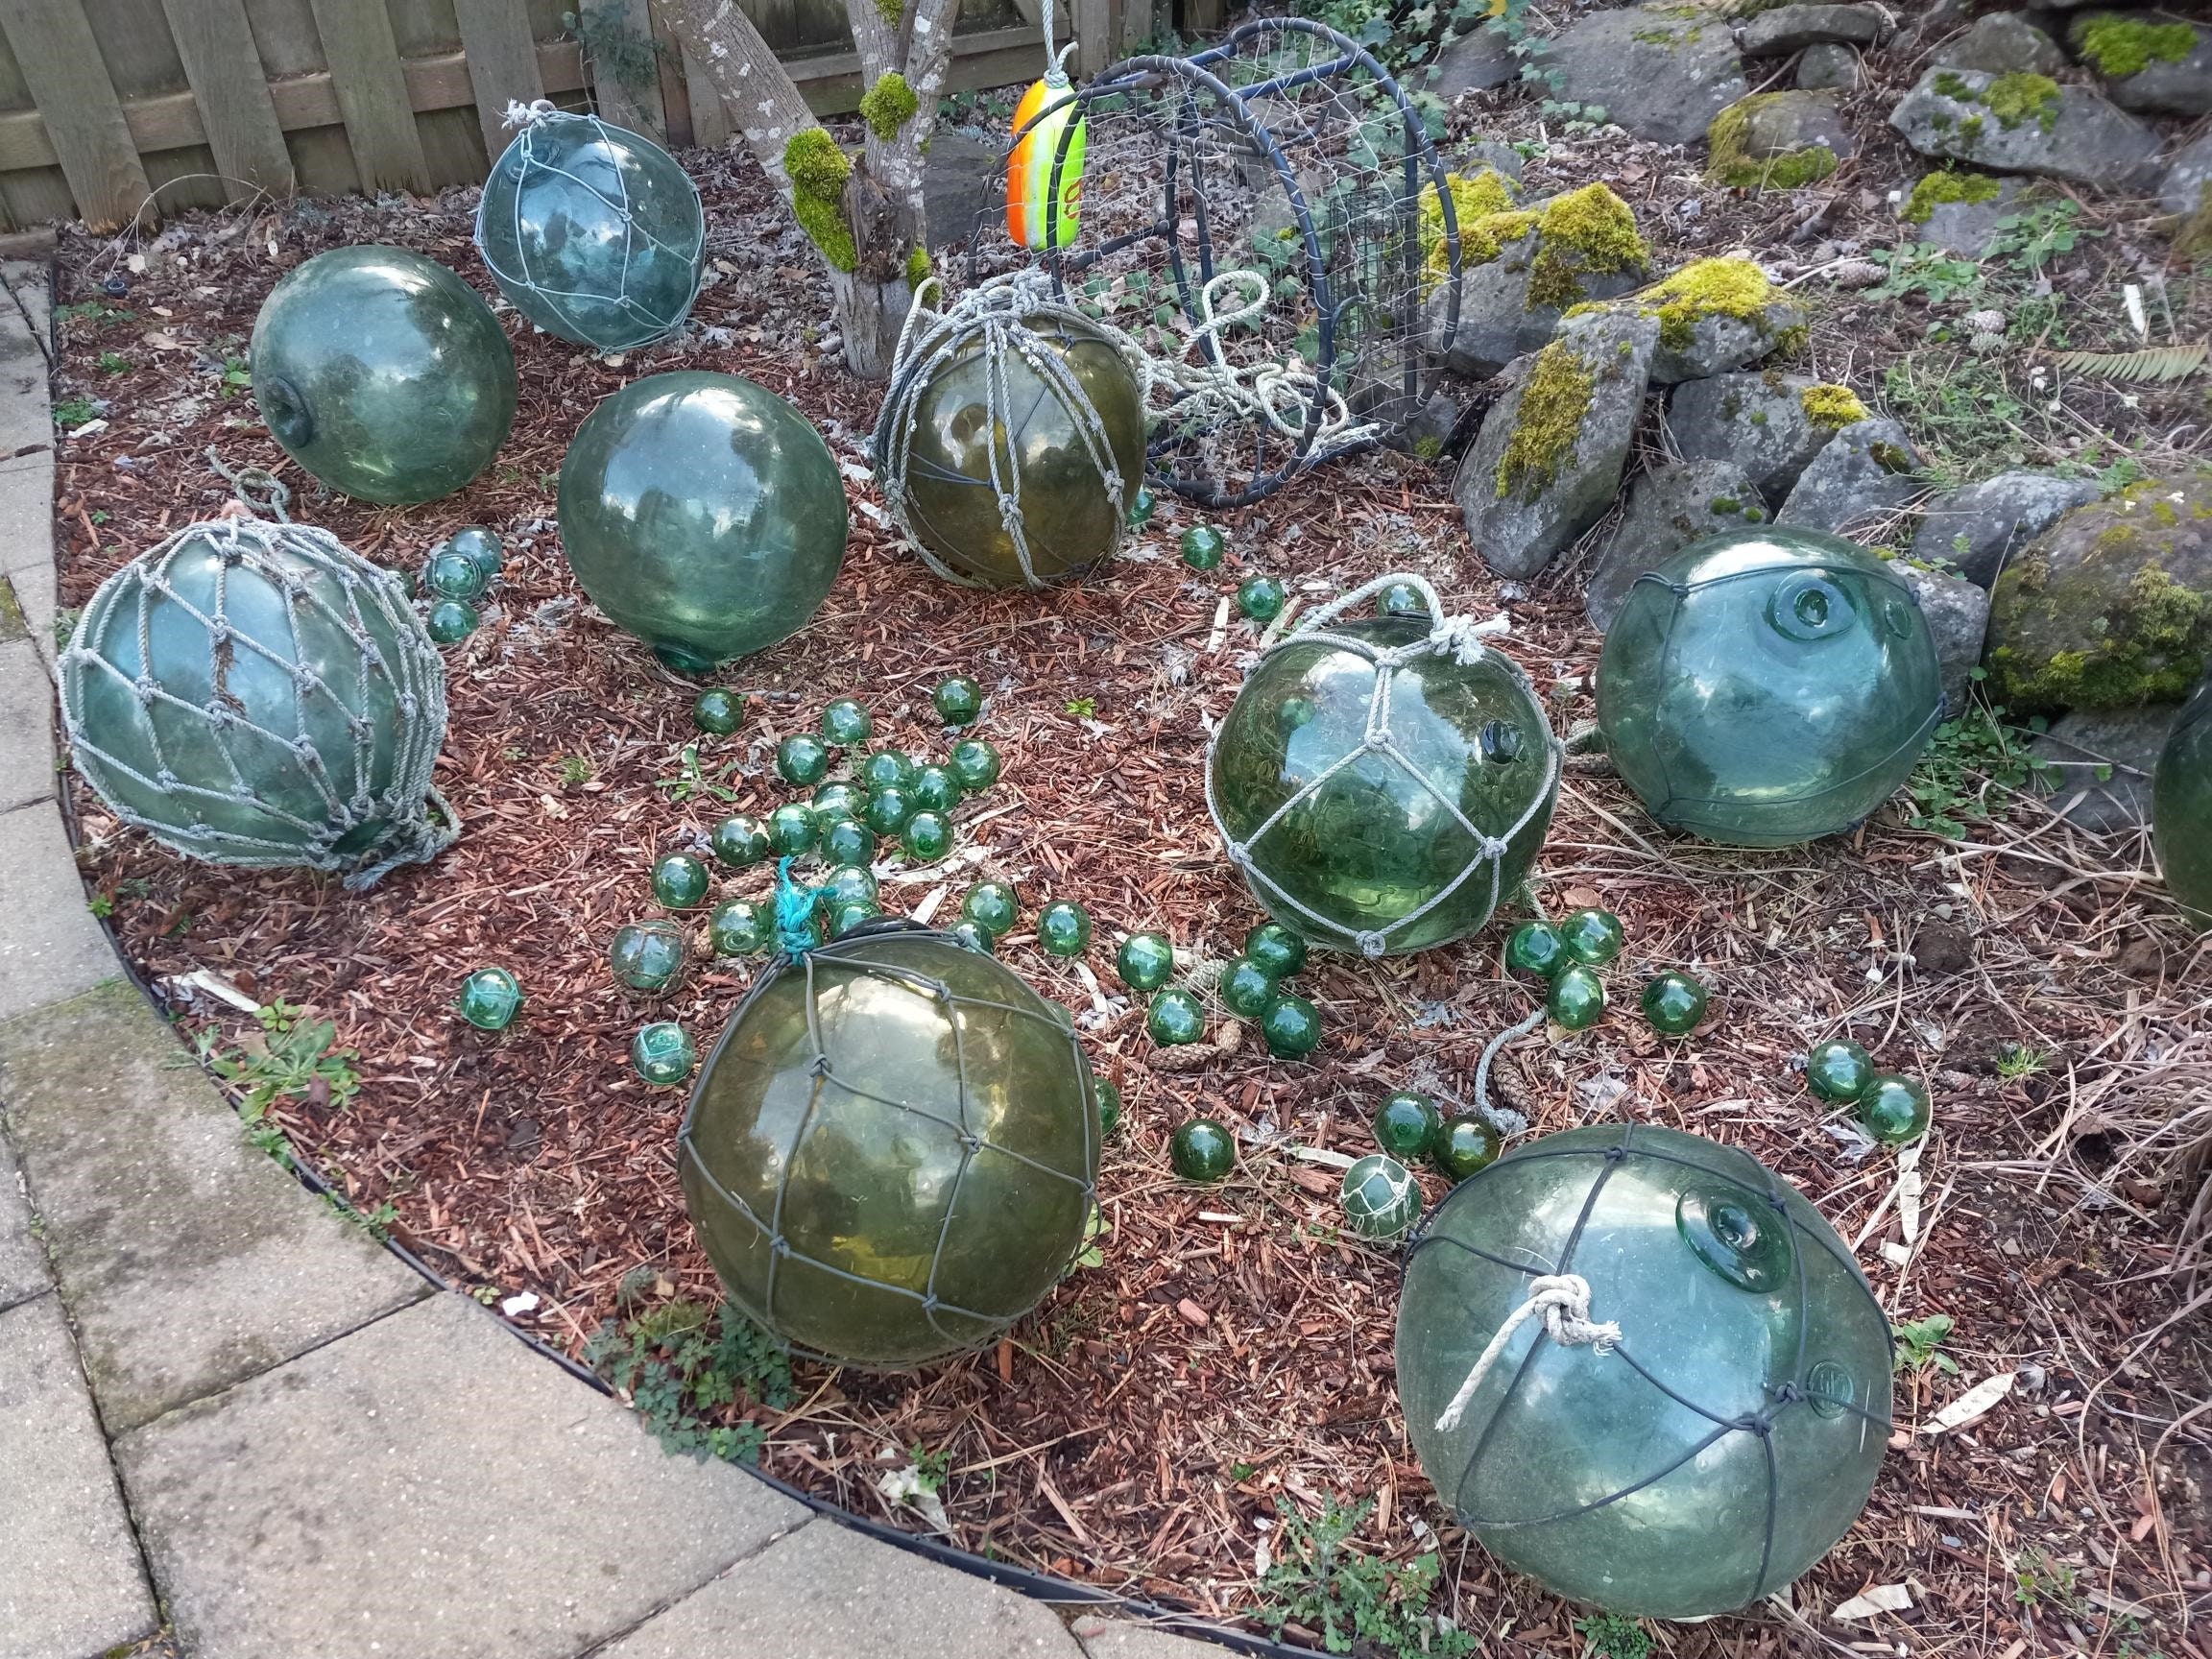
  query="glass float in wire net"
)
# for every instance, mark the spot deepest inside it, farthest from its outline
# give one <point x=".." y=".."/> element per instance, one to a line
<point x="592" y="232"/>
<point x="1716" y="1423"/>
<point x="892" y="1152"/>
<point x="1381" y="782"/>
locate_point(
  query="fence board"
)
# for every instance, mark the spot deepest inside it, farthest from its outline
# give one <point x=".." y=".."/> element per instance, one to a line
<point x="637" y="107"/>
<point x="1094" y="36"/>
<point x="711" y="127"/>
<point x="231" y="91"/>
<point x="364" y="59"/>
<point x="502" y="64"/>
<point x="59" y="62"/>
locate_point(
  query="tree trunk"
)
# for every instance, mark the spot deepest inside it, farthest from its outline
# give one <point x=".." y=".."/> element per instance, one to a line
<point x="874" y="298"/>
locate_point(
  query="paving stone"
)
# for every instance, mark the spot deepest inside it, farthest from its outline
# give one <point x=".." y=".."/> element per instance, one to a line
<point x="1126" y="1639"/>
<point x="26" y="724"/>
<point x="23" y="1271"/>
<point x="429" y="1488"/>
<point x="829" y="1593"/>
<point x="189" y="1260"/>
<point x="50" y="946"/>
<point x="26" y="509"/>
<point x="71" y="1584"/>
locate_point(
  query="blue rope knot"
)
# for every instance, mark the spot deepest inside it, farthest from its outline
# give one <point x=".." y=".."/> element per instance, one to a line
<point x="795" y="929"/>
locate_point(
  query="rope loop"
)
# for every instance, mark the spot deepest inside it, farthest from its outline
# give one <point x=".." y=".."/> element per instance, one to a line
<point x="1563" y="1301"/>
<point x="519" y="114"/>
<point x="275" y="494"/>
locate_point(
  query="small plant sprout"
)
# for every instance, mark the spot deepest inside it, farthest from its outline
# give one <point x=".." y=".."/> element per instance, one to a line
<point x="1918" y="1342"/>
<point x="2016" y="1061"/>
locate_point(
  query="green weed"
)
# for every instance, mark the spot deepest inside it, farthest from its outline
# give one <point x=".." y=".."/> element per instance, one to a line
<point x="237" y="377"/>
<point x="1972" y="765"/>
<point x="1318" y="1580"/>
<point x="1919" y="1344"/>
<point x="1961" y="410"/>
<point x="75" y="412"/>
<point x="690" y="779"/>
<point x="284" y="1062"/>
<point x="578" y="769"/>
<point x="1923" y="268"/>
<point x="2016" y="1060"/>
<point x="115" y="363"/>
<point x="1083" y="708"/>
<point x="683" y="1364"/>
<point x="2038" y="1578"/>
<point x="1609" y="1636"/>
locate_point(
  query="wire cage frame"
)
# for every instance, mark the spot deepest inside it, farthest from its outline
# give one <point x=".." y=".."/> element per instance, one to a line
<point x="852" y="951"/>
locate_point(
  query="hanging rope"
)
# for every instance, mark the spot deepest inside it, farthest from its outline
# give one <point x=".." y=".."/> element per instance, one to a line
<point x="1563" y="1299"/>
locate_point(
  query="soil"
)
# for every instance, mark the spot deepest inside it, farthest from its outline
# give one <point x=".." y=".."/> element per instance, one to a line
<point x="1233" y="1351"/>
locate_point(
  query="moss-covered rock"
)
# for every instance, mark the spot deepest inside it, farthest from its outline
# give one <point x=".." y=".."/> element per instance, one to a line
<point x="2111" y="607"/>
<point x="1831" y="407"/>
<point x="1476" y="197"/>
<point x="1714" y="315"/>
<point x="2026" y="123"/>
<point x="1943" y="185"/>
<point x="1522" y="267"/>
<point x="1778" y="141"/>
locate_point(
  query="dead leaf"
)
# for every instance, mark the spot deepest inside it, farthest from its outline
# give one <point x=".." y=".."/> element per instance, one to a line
<point x="1971" y="1405"/>
<point x="1881" y="1599"/>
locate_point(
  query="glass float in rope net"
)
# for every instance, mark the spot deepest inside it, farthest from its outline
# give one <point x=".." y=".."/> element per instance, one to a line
<point x="2181" y="808"/>
<point x="257" y="694"/>
<point x="891" y="1154"/>
<point x="1712" y="1446"/>
<point x="592" y="232"/>
<point x="1767" y="687"/>
<point x="1384" y="783"/>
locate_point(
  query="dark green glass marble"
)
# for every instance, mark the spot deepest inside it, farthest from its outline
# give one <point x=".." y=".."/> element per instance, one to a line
<point x="1359" y="838"/>
<point x="1064" y="929"/>
<point x="1145" y="961"/>
<point x="957" y="699"/>
<point x="793" y="830"/>
<point x="2181" y="808"/>
<point x="992" y="906"/>
<point x="1173" y="1017"/>
<point x="1202" y="1150"/>
<point x="741" y="928"/>
<point x="1109" y="1109"/>
<point x="1673" y="1004"/>
<point x="1744" y="1439"/>
<point x="1767" y="687"/>
<point x="1203" y="546"/>
<point x="647" y="957"/>
<point x="887" y="769"/>
<point x="973" y="937"/>
<point x="927" y="837"/>
<point x="1536" y="950"/>
<point x="740" y="841"/>
<point x="846" y="725"/>
<point x="884" y="1192"/>
<point x="801" y="761"/>
<point x="1291" y="1028"/>
<point x="1894" y="1110"/>
<point x="383" y="374"/>
<point x="846" y="841"/>
<point x="475" y="542"/>
<point x="490" y="999"/>
<point x="974" y="763"/>
<point x="1141" y="508"/>
<point x="1261" y="598"/>
<point x="1278" y="952"/>
<point x="887" y="810"/>
<point x="680" y="879"/>
<point x="1591" y="937"/>
<point x="839" y="800"/>
<point x="845" y="884"/>
<point x="848" y="916"/>
<point x="1576" y="998"/>
<point x="717" y="711"/>
<point x="1406" y="1124"/>
<point x="662" y="1053"/>
<point x="1838" y="1070"/>
<point x="1401" y="600"/>
<point x="704" y="514"/>
<point x="450" y="621"/>
<point x="1246" y="988"/>
<point x="935" y="790"/>
<point x="451" y="575"/>
<point x="1380" y="1196"/>
<point x="1464" y="1144"/>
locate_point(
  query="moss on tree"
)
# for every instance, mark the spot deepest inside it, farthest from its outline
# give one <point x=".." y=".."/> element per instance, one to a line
<point x="888" y="106"/>
<point x="1941" y="188"/>
<point x="818" y="170"/>
<point x="1553" y="406"/>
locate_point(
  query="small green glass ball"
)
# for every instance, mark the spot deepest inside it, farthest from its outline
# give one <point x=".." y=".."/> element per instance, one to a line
<point x="992" y="906"/>
<point x="647" y="957"/>
<point x="475" y="542"/>
<point x="887" y="810"/>
<point x="490" y="999"/>
<point x="846" y="725"/>
<point x="887" y="769"/>
<point x="847" y="916"/>
<point x="1592" y="936"/>
<point x="846" y="884"/>
<point x="1406" y="1124"/>
<point x="740" y="841"/>
<point x="1203" y="546"/>
<point x="1246" y="988"/>
<point x="1838" y="1070"/>
<point x="1276" y="949"/>
<point x="450" y="621"/>
<point x="741" y="928"/>
<point x="1401" y="600"/>
<point x="1108" y="1108"/>
<point x="957" y="699"/>
<point x="680" y="879"/>
<point x="1142" y="509"/>
<point x="1202" y="1150"/>
<point x="1673" y="1002"/>
<point x="662" y="1053"/>
<point x="936" y="790"/>
<point x="978" y="939"/>
<point x="1261" y="598"/>
<point x="793" y="830"/>
<point x="1145" y="961"/>
<point x="846" y="842"/>
<point x="839" y="800"/>
<point x="975" y="764"/>
<point x="1465" y="1143"/>
<point x="1291" y="1026"/>
<point x="1381" y="1197"/>
<point x="1577" y="998"/>
<point x="927" y="838"/>
<point x="451" y="575"/>
<point x="717" y="710"/>
<point x="1536" y="948"/>
<point x="802" y="761"/>
<point x="1064" y="929"/>
<point x="1175" y="1018"/>
<point x="1895" y="1110"/>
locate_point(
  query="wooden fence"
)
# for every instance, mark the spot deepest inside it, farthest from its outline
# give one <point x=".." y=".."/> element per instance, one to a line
<point x="114" y="110"/>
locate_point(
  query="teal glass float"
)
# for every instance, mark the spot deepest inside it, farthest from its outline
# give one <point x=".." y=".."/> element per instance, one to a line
<point x="1109" y="1109"/>
<point x="935" y="789"/>
<point x="1838" y="1070"/>
<point x="891" y="1154"/>
<point x="973" y="937"/>
<point x="1536" y="950"/>
<point x="1278" y="952"/>
<point x="1591" y="937"/>
<point x="451" y="575"/>
<point x="1064" y="929"/>
<point x="1203" y="547"/>
<point x="680" y="879"/>
<point x="846" y="841"/>
<point x="253" y="693"/>
<point x="740" y="841"/>
<point x="857" y="913"/>
<point x="704" y="514"/>
<point x="592" y="232"/>
<point x="801" y="761"/>
<point x="1390" y="816"/>
<point x="927" y="837"/>
<point x="475" y="542"/>
<point x="1714" y="1451"/>
<point x="1261" y="598"/>
<point x="1767" y="687"/>
<point x="717" y="711"/>
<point x="647" y="957"/>
<point x="1401" y="600"/>
<point x="992" y="906"/>
<point x="2181" y="808"/>
<point x="1464" y="1145"/>
<point x="1406" y="1124"/>
<point x="1175" y="1018"/>
<point x="741" y="928"/>
<point x="1145" y="961"/>
<point x="1576" y="998"/>
<point x="957" y="699"/>
<point x="450" y="621"/>
<point x="662" y="1053"/>
<point x="887" y="769"/>
<point x="846" y="725"/>
<point x="1290" y="1026"/>
<point x="847" y="884"/>
<point x="793" y="830"/>
<point x="1202" y="1150"/>
<point x="1380" y="1198"/>
<point x="1245" y="988"/>
<point x="974" y="763"/>
<point x="888" y="809"/>
<point x="1894" y="1110"/>
<point x="489" y="999"/>
<point x="383" y="374"/>
<point x="839" y="800"/>
<point x="1673" y="1004"/>
<point x="1142" y="509"/>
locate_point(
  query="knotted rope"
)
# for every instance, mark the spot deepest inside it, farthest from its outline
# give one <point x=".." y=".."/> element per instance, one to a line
<point x="795" y="928"/>
<point x="1563" y="1299"/>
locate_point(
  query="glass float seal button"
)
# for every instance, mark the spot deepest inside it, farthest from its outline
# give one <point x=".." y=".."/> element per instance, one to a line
<point x="1739" y="1236"/>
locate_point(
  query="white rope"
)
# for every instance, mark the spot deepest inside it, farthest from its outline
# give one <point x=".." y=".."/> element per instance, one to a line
<point x="1563" y="1299"/>
<point x="520" y="114"/>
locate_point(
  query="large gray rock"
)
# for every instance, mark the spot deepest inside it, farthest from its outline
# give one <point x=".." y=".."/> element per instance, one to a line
<point x="1715" y="316"/>
<point x="2176" y="79"/>
<point x="2067" y="133"/>
<point x="1957" y="616"/>
<point x="1757" y="422"/>
<point x="1669" y="509"/>
<point x="963" y="186"/>
<point x="1968" y="228"/>
<point x="2182" y="189"/>
<point x="1476" y="62"/>
<point x="1662" y="72"/>
<point x="1827" y="66"/>
<point x="2003" y="43"/>
<point x="1776" y="140"/>
<point x="1982" y="526"/>
<point x="1788" y="29"/>
<point x="1498" y="320"/>
<point x="1867" y="470"/>
<point x="2103" y="762"/>
<point x="1549" y="461"/>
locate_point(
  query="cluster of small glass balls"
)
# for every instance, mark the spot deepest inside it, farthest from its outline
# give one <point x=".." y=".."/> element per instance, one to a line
<point x="1893" y="1109"/>
<point x="1566" y="956"/>
<point x="456" y="574"/>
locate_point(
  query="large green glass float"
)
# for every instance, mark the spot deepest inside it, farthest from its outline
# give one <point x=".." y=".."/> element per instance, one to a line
<point x="1767" y="687"/>
<point x="1383" y="782"/>
<point x="383" y="374"/>
<point x="704" y="514"/>
<point x="1693" y="1403"/>
<point x="593" y="232"/>
<point x="1012" y="439"/>
<point x="2181" y="806"/>
<point x="890" y="1155"/>
<point x="257" y="694"/>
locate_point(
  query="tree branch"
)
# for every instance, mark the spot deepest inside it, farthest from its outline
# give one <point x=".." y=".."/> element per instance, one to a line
<point x="762" y="98"/>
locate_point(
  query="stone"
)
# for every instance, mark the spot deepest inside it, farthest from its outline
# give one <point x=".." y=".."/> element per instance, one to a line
<point x="2182" y="189"/>
<point x="1478" y="60"/>
<point x="1942" y="947"/>
<point x="1868" y="470"/>
<point x="1715" y="316"/>
<point x="71" y="1585"/>
<point x="1957" y="613"/>
<point x="1758" y="421"/>
<point x="1656" y="72"/>
<point x="190" y="1261"/>
<point x="1788" y="29"/>
<point x="963" y="186"/>
<point x="2152" y="62"/>
<point x="1668" y="508"/>
<point x="23" y="1272"/>
<point x="2124" y="742"/>
<point x="1978" y="528"/>
<point x="1521" y="271"/>
<point x="1549" y="460"/>
<point x="1962" y="226"/>
<point x="433" y="1482"/>
<point x="1828" y="65"/>
<point x="2003" y="43"/>
<point x="1472" y="155"/>
<point x="51" y="946"/>
<point x="1779" y="141"/>
<point x="1125" y="1638"/>
<point x="26" y="722"/>
<point x="2111" y="607"/>
<point x="2027" y="123"/>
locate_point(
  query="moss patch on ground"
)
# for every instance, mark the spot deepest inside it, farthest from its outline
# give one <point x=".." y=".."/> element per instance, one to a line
<point x="818" y="170"/>
<point x="1553" y="406"/>
<point x="1941" y="189"/>
<point x="2117" y="47"/>
<point x="1733" y="164"/>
